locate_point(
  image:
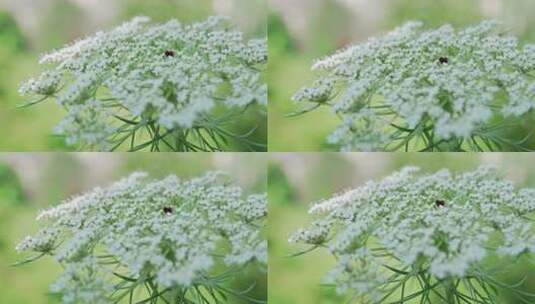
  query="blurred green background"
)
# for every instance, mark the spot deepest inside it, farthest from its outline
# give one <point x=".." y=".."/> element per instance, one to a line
<point x="298" y="179"/>
<point x="29" y="28"/>
<point x="301" y="31"/>
<point x="31" y="182"/>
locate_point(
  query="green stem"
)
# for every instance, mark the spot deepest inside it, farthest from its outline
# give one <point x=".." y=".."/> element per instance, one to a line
<point x="450" y="291"/>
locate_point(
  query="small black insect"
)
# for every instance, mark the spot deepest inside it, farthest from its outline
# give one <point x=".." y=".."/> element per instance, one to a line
<point x="167" y="210"/>
<point x="444" y="60"/>
<point x="169" y="53"/>
<point x="440" y="203"/>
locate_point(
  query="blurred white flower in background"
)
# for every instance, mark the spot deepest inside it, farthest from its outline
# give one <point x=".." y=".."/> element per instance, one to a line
<point x="491" y="8"/>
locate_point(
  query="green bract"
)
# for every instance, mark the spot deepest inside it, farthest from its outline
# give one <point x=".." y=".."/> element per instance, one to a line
<point x="163" y="82"/>
<point x="427" y="90"/>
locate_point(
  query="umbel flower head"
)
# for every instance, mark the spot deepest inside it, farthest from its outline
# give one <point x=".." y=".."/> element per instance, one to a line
<point x="437" y="227"/>
<point x="164" y="80"/>
<point x="167" y="234"/>
<point x="441" y="89"/>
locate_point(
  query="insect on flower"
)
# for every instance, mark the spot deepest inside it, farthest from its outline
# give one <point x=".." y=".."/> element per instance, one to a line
<point x="169" y="53"/>
<point x="444" y="60"/>
<point x="440" y="203"/>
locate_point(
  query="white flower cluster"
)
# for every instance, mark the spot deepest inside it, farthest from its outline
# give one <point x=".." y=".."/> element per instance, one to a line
<point x="445" y="81"/>
<point x="443" y="223"/>
<point x="47" y="84"/>
<point x="172" y="231"/>
<point x="171" y="74"/>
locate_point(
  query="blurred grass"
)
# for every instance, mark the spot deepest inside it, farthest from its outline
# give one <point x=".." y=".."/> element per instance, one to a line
<point x="298" y="179"/>
<point x="31" y="182"/>
<point x="60" y="22"/>
<point x="292" y="279"/>
<point x="331" y="26"/>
